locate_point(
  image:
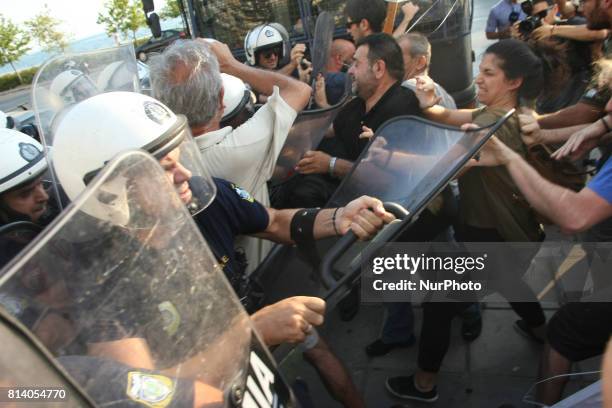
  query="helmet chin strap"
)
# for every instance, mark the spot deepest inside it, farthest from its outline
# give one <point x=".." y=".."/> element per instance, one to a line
<point x="195" y="204"/>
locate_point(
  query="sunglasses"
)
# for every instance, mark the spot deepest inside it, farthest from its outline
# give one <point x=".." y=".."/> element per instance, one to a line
<point x="268" y="53"/>
<point x="346" y="65"/>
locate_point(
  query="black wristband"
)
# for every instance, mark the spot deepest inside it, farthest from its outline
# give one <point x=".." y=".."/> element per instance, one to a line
<point x="302" y="225"/>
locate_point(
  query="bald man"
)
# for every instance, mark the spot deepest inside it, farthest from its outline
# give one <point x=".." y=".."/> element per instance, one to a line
<point x="331" y="86"/>
<point x="340" y="56"/>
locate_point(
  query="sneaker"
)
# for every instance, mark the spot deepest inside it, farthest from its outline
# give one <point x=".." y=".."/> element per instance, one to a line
<point x="380" y="348"/>
<point x="403" y="387"/>
<point x="524" y="330"/>
<point x="471" y="328"/>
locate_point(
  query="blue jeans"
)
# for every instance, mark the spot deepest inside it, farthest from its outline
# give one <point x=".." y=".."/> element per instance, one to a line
<point x="399" y="323"/>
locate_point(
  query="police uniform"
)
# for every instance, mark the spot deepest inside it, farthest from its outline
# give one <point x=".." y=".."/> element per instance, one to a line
<point x="109" y="382"/>
<point x="233" y="212"/>
<point x="104" y="301"/>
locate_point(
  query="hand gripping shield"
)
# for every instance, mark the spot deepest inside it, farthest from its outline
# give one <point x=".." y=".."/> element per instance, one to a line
<point x="146" y="297"/>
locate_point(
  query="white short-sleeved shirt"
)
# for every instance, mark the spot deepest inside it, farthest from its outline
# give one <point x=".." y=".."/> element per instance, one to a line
<point x="247" y="155"/>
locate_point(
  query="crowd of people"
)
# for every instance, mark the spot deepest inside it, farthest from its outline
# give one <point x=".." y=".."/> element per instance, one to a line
<point x="217" y="127"/>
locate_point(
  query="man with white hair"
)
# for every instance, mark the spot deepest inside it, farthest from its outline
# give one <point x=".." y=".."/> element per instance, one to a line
<point x="416" y="51"/>
<point x="186" y="77"/>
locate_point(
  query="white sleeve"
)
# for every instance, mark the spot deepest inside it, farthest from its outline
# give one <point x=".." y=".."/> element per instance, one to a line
<point x="263" y="136"/>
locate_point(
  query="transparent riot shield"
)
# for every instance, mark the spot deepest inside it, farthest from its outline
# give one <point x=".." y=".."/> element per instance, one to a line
<point x="122" y="289"/>
<point x="443" y="18"/>
<point x="308" y="130"/>
<point x="67" y="79"/>
<point x="29" y="374"/>
<point x="409" y="161"/>
<point x="321" y="47"/>
<point x="14" y="237"/>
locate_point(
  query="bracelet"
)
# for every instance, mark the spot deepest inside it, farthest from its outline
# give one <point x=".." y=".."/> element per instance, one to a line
<point x="332" y="165"/>
<point x="334" y="221"/>
<point x="603" y="120"/>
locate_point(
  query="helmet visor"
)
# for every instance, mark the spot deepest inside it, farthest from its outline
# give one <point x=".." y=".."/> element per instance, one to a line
<point x="179" y="156"/>
<point x="52" y="103"/>
<point x="79" y="90"/>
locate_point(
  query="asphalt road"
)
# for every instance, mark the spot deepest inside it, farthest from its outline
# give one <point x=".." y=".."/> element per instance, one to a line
<point x="11" y="100"/>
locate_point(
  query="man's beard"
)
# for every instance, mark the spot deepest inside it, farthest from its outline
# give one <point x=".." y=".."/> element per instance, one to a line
<point x="364" y="89"/>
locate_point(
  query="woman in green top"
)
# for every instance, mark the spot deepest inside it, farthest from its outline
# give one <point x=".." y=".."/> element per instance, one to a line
<point x="510" y="74"/>
<point x="490" y="209"/>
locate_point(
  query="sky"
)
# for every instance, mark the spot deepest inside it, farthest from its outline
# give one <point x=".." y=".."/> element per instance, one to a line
<point x="78" y="17"/>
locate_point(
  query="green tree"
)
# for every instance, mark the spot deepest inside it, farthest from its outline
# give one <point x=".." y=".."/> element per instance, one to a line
<point x="44" y="29"/>
<point x="171" y="9"/>
<point x="115" y="16"/>
<point x="14" y="43"/>
<point x="135" y="18"/>
<point x="121" y="16"/>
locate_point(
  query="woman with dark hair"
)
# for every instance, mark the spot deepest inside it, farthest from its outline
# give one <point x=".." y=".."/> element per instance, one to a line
<point x="490" y="209"/>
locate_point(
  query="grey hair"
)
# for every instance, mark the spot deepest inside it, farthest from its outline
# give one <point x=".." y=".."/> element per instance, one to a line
<point x="419" y="45"/>
<point x="186" y="78"/>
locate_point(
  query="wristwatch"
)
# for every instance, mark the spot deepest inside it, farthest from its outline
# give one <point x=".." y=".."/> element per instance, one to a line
<point x="332" y="164"/>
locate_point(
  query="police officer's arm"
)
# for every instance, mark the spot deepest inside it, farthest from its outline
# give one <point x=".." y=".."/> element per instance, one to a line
<point x="131" y="351"/>
<point x="289" y="320"/>
<point x="294" y="92"/>
<point x="110" y="382"/>
<point x="573" y="212"/>
<point x="206" y="396"/>
<point x="364" y="216"/>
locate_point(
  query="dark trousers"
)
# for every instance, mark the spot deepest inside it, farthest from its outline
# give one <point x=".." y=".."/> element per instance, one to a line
<point x="437" y="316"/>
<point x="304" y="191"/>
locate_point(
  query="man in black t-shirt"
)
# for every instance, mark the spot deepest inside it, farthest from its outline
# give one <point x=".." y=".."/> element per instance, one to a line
<point x="377" y="74"/>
